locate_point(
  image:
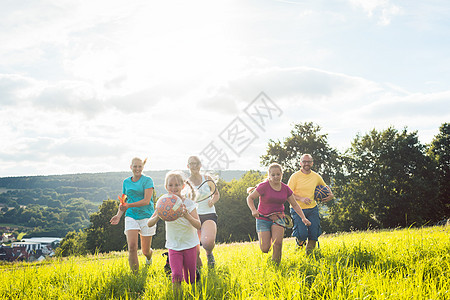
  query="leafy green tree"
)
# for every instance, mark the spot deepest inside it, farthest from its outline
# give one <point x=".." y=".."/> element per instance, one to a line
<point x="101" y="235"/>
<point x="235" y="222"/>
<point x="388" y="181"/>
<point x="74" y="243"/>
<point x="305" y="138"/>
<point x="440" y="152"/>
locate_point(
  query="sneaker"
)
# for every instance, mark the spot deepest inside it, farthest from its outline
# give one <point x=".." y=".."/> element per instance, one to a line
<point x="211" y="261"/>
<point x="197" y="275"/>
<point x="167" y="269"/>
<point x="148" y="262"/>
<point x="300" y="243"/>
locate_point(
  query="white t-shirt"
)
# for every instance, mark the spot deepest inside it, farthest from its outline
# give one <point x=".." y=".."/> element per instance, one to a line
<point x="180" y="234"/>
<point x="203" y="207"/>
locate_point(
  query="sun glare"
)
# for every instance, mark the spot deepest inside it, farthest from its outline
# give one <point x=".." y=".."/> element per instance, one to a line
<point x="160" y="43"/>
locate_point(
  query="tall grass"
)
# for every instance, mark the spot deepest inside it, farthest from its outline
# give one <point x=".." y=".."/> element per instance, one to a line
<point x="398" y="264"/>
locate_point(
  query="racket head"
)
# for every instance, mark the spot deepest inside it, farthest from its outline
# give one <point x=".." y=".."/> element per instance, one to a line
<point x="197" y="197"/>
<point x="288" y="223"/>
<point x="283" y="221"/>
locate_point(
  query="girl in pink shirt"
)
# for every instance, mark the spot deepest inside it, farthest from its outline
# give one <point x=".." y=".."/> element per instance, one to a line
<point x="272" y="195"/>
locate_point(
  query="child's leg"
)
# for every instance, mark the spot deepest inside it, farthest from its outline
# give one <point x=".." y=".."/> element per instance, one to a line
<point x="190" y="264"/>
<point x="277" y="242"/>
<point x="176" y="265"/>
<point x="263" y="228"/>
<point x="265" y="239"/>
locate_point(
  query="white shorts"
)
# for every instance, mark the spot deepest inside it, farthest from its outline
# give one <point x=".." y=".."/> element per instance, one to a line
<point x="141" y="225"/>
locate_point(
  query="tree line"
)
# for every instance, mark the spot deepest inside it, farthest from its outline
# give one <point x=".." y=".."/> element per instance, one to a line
<point x="385" y="179"/>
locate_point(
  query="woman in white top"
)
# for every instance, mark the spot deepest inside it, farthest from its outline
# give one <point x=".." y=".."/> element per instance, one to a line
<point x="205" y="209"/>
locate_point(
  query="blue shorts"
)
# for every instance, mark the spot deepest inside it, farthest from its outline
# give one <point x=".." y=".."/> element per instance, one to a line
<point x="266" y="225"/>
<point x="303" y="232"/>
<point x="263" y="225"/>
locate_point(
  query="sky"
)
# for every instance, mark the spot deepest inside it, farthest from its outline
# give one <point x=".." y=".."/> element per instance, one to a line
<point x="85" y="86"/>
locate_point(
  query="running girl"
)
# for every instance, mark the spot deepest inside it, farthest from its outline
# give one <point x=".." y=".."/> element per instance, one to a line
<point x="272" y="195"/>
<point x="181" y="234"/>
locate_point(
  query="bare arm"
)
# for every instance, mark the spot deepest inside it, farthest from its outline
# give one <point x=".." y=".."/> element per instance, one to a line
<point x="215" y="196"/>
<point x="329" y="197"/>
<point x="298" y="210"/>
<point x="116" y="218"/>
<point x="305" y="200"/>
<point x="251" y="202"/>
<point x="192" y="217"/>
<point x="146" y="201"/>
<point x="153" y="219"/>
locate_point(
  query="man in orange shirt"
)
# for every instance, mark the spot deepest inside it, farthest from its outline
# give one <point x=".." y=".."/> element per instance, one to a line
<point x="303" y="184"/>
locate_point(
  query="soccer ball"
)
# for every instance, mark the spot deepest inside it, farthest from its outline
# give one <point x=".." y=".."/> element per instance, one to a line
<point x="321" y="192"/>
<point x="169" y="207"/>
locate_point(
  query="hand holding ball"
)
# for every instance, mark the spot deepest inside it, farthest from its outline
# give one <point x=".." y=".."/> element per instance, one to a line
<point x="169" y="207"/>
<point x="321" y="192"/>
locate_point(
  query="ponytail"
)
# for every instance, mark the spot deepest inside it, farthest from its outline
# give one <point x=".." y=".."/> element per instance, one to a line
<point x="192" y="190"/>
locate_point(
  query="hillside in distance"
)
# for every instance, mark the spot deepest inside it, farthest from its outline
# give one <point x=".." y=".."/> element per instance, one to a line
<point x="108" y="181"/>
<point x="57" y="204"/>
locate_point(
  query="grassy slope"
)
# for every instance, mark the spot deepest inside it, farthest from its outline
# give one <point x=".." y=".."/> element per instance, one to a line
<point x="399" y="264"/>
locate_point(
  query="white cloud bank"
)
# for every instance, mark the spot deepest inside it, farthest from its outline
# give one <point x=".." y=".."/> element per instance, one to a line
<point x="85" y="86"/>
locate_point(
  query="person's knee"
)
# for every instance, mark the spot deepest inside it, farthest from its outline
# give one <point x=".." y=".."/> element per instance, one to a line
<point x="278" y="243"/>
<point x="132" y="248"/>
<point x="147" y="252"/>
<point x="208" y="243"/>
<point x="265" y="249"/>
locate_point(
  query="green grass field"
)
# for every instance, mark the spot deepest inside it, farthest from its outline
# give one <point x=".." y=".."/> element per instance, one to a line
<point x="398" y="264"/>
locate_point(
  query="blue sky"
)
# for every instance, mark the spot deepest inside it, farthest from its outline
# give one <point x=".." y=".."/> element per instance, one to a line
<point x="87" y="85"/>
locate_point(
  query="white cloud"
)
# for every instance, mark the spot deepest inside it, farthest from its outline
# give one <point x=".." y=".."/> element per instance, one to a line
<point x="382" y="10"/>
<point x="85" y="86"/>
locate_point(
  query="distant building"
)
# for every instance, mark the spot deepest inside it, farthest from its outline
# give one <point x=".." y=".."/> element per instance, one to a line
<point x="29" y="249"/>
<point x="29" y="246"/>
<point x="8" y="237"/>
<point x="16" y="253"/>
<point x="46" y="241"/>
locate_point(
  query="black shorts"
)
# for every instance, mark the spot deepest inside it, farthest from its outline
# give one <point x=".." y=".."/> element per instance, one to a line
<point x="207" y="217"/>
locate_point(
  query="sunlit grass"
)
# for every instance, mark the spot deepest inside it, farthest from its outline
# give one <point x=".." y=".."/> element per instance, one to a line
<point x="398" y="264"/>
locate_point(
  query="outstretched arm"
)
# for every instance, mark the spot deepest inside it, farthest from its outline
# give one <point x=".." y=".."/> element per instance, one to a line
<point x="116" y="218"/>
<point x="153" y="219"/>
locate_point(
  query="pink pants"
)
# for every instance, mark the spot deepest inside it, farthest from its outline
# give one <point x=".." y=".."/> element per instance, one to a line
<point x="183" y="264"/>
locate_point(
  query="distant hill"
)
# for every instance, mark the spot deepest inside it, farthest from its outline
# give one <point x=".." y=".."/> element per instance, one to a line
<point x="56" y="204"/>
<point x="111" y="181"/>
